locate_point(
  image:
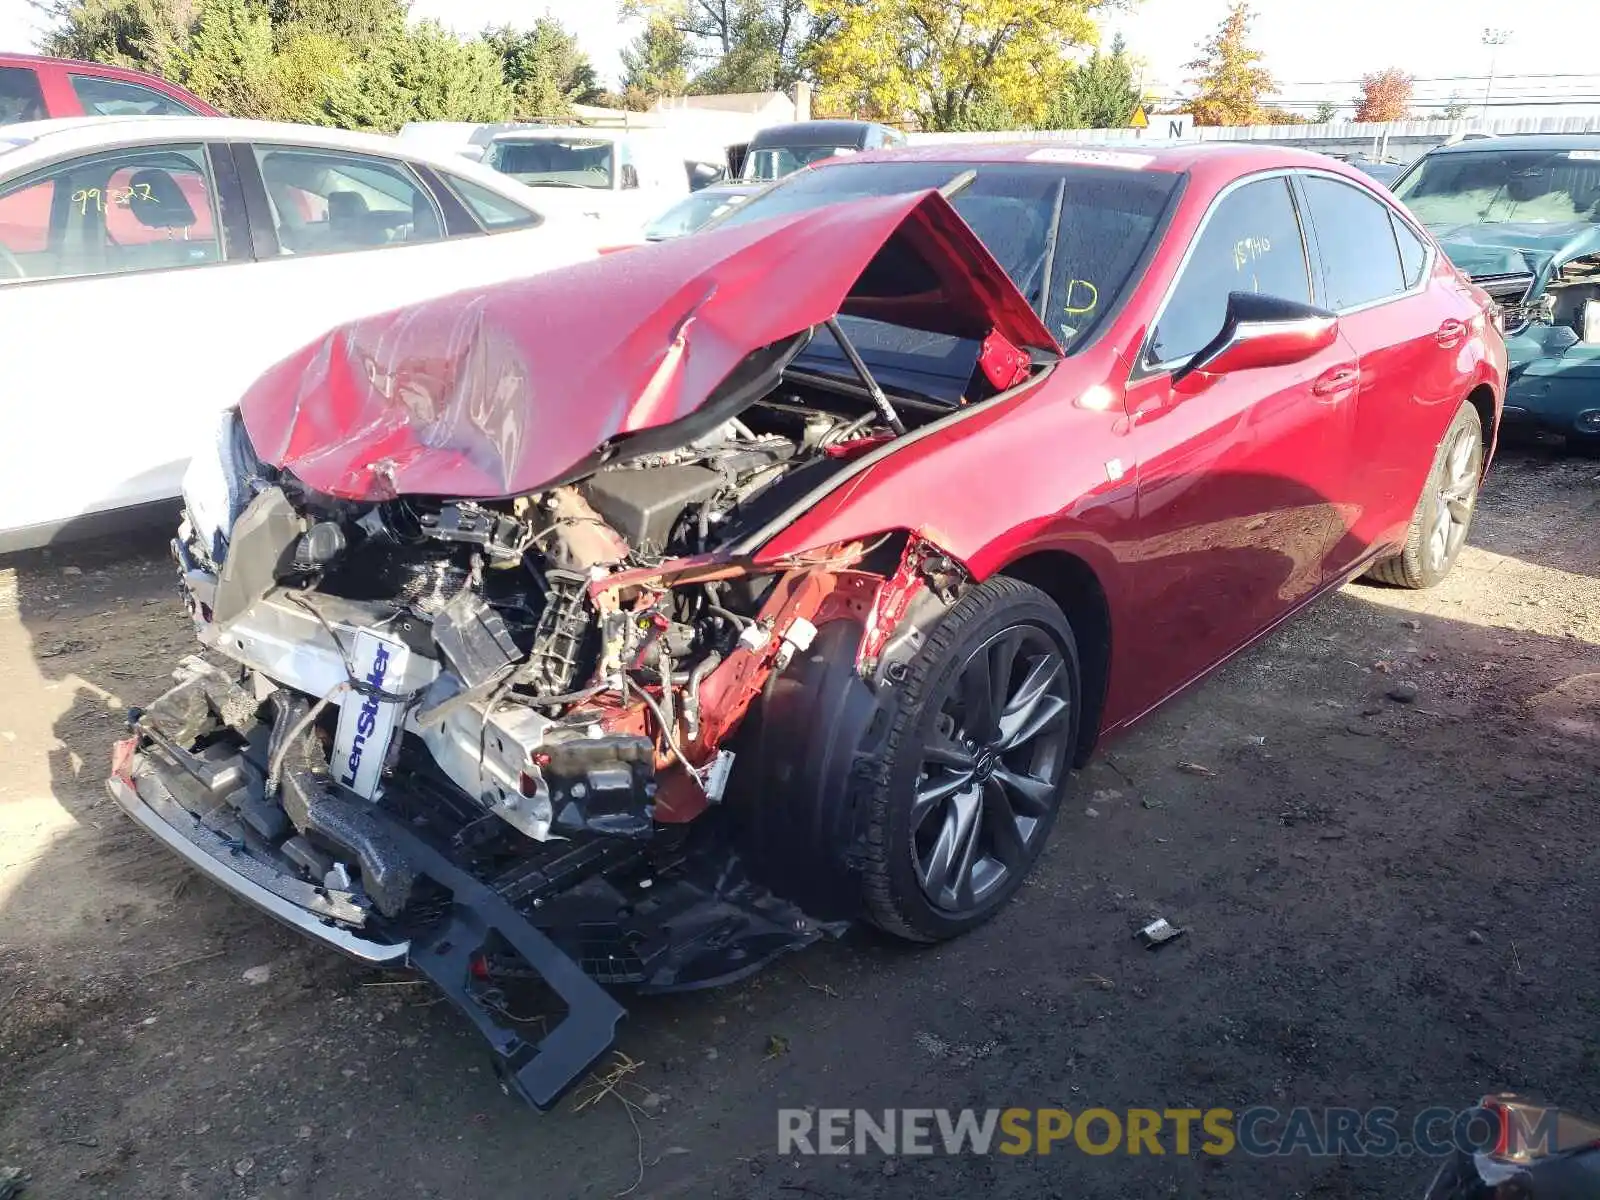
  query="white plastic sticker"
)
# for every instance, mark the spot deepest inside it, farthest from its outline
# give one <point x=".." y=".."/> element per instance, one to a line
<point x="366" y="723"/>
<point x="717" y="775"/>
<point x="1093" y="158"/>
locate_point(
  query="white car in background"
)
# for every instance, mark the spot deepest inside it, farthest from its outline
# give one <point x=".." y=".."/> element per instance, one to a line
<point x="618" y="180"/>
<point x="151" y="268"/>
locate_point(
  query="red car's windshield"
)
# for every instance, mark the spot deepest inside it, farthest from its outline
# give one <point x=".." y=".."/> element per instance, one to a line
<point x="1079" y="232"/>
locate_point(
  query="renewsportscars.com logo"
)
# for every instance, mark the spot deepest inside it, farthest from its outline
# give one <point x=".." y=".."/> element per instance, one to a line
<point x="1259" y="1132"/>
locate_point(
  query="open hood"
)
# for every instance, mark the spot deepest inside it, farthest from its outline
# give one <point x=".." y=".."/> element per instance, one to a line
<point x="503" y="390"/>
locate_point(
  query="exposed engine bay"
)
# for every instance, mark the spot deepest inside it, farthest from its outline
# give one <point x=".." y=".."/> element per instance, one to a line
<point x="420" y="710"/>
<point x="533" y="646"/>
<point x="1569" y="302"/>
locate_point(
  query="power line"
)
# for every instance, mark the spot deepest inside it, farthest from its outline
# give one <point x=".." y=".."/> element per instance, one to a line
<point x="1447" y="78"/>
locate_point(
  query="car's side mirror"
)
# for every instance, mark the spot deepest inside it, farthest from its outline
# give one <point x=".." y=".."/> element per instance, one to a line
<point x="1263" y="331"/>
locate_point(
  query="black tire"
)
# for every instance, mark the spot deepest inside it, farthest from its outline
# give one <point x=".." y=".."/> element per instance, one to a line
<point x="1443" y="516"/>
<point x="1026" y="782"/>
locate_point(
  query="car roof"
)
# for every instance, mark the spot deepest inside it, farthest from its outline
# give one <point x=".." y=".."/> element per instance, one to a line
<point x="33" y="142"/>
<point x="1524" y="141"/>
<point x="8" y="59"/>
<point x="816" y="133"/>
<point x="1209" y="163"/>
<point x="535" y="132"/>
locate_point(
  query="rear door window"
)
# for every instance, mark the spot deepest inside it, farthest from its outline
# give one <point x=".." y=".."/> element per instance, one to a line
<point x="1251" y="243"/>
<point x="20" y="96"/>
<point x="332" y="201"/>
<point x="1355" y="243"/>
<point x="141" y="209"/>
<point x="102" y="97"/>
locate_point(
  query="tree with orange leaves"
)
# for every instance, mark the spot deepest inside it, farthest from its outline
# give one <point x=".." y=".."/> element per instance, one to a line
<point x="1385" y="96"/>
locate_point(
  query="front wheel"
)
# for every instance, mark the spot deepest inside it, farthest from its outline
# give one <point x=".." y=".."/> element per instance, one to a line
<point x="1443" y="516"/>
<point x="976" y="763"/>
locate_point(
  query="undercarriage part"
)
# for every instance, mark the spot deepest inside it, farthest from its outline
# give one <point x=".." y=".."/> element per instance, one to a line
<point x="260" y="550"/>
<point x="575" y="537"/>
<point x="428" y="585"/>
<point x="475" y="640"/>
<point x="319" y="546"/>
<point x="596" y="784"/>
<point x="490" y="756"/>
<point x="644" y="505"/>
<point x="185" y="711"/>
<point x="500" y="536"/>
<point x="560" y="637"/>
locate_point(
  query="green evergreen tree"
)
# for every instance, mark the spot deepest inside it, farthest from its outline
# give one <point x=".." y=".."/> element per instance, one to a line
<point x="655" y="65"/>
<point x="546" y="69"/>
<point x="428" y="74"/>
<point x="229" y="59"/>
<point x="145" y="35"/>
<point x="357" y="23"/>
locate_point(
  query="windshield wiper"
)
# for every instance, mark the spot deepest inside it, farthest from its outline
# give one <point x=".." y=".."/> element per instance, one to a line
<point x="959" y="184"/>
<point x="1043" y="302"/>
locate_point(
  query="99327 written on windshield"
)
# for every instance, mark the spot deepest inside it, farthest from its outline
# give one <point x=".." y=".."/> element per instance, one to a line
<point x="101" y="199"/>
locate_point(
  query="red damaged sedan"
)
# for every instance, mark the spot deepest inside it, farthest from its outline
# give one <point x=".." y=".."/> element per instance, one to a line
<point x="628" y="626"/>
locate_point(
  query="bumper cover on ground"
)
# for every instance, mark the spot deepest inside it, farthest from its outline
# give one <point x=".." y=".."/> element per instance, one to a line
<point x="449" y="951"/>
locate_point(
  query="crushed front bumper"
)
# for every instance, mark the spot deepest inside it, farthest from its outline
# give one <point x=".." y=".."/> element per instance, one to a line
<point x="450" y="950"/>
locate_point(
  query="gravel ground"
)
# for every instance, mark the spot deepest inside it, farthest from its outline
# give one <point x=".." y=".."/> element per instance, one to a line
<point x="1387" y="904"/>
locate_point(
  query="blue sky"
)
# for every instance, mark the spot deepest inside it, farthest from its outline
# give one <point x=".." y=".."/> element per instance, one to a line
<point x="1306" y="44"/>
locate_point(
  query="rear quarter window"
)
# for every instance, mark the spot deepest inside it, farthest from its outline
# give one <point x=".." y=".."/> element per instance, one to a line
<point x="1413" y="254"/>
<point x="1356" y="244"/>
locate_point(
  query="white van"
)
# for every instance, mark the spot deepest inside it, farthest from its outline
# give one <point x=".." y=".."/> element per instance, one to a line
<point x="622" y="179"/>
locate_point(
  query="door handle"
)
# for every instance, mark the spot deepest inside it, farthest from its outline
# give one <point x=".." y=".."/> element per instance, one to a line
<point x="1335" y="380"/>
<point x="1451" y="333"/>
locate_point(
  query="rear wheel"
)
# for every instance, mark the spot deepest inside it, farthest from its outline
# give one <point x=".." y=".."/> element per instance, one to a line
<point x="1443" y="516"/>
<point x="976" y="763"/>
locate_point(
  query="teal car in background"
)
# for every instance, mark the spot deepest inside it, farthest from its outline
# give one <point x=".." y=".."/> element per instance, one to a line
<point x="1521" y="216"/>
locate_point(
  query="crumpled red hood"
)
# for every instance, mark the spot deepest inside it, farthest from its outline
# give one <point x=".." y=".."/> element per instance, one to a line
<point x="498" y="391"/>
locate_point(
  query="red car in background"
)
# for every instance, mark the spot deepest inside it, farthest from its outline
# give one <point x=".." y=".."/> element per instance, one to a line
<point x="638" y="622"/>
<point x="36" y="88"/>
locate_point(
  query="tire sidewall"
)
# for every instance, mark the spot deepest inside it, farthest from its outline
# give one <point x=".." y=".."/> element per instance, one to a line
<point x="913" y="904"/>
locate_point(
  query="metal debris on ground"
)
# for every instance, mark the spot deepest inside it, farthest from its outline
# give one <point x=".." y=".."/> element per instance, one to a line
<point x="1159" y="932"/>
<point x="1193" y="768"/>
<point x="12" y="1181"/>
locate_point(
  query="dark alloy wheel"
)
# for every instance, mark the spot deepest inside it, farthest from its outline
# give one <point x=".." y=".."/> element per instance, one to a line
<point x="979" y="757"/>
<point x="991" y="768"/>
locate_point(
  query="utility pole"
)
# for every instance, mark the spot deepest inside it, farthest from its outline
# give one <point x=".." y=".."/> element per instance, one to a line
<point x="1494" y="39"/>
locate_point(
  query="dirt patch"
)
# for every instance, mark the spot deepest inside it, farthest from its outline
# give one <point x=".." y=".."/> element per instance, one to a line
<point x="1380" y="897"/>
